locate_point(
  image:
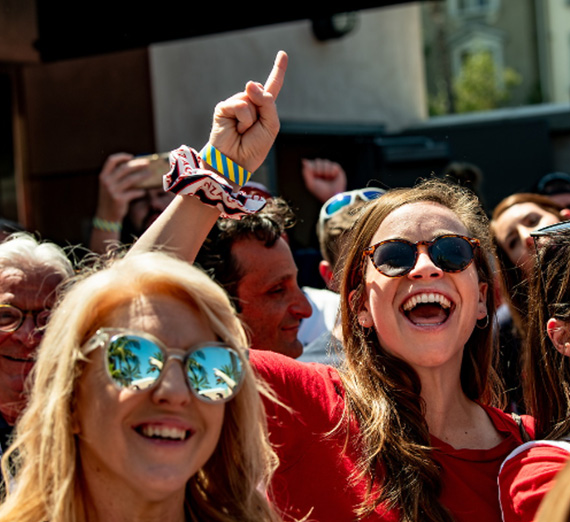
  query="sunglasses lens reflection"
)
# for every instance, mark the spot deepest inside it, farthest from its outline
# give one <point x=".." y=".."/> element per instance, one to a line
<point x="371" y="194"/>
<point x="398" y="257"/>
<point x="338" y="203"/>
<point x="394" y="258"/>
<point x="214" y="372"/>
<point x="346" y="198"/>
<point x="451" y="254"/>
<point x="134" y="362"/>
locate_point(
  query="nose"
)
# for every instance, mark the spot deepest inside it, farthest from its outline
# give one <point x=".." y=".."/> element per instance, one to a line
<point x="28" y="334"/>
<point x="300" y="306"/>
<point x="172" y="386"/>
<point x="525" y="237"/>
<point x="424" y="267"/>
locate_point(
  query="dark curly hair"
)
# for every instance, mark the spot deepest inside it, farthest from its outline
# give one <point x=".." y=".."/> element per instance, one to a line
<point x="266" y="226"/>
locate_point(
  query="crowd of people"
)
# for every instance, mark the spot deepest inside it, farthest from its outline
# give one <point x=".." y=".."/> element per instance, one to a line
<point x="188" y="377"/>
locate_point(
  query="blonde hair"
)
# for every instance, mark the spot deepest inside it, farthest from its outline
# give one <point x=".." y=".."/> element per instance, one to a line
<point x="43" y="457"/>
<point x="555" y="506"/>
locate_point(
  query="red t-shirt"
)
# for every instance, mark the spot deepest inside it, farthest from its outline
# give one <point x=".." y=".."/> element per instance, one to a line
<point x="527" y="475"/>
<point x="316" y="470"/>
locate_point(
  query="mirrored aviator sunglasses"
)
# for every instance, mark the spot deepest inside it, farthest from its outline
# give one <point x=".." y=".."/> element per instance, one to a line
<point x="397" y="257"/>
<point x="135" y="360"/>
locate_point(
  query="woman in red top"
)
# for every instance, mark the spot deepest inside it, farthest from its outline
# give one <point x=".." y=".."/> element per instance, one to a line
<point x="405" y="430"/>
<point x="530" y="471"/>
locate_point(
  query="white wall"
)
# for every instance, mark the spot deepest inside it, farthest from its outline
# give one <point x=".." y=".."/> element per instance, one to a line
<point x="373" y="75"/>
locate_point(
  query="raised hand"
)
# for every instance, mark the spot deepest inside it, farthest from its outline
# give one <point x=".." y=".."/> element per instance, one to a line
<point x="246" y="125"/>
<point x="323" y="178"/>
<point x="118" y="185"/>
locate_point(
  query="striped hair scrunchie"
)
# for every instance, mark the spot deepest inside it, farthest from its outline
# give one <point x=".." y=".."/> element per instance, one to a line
<point x="187" y="178"/>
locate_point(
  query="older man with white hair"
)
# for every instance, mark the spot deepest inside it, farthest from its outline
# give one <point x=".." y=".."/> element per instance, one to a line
<point x="30" y="272"/>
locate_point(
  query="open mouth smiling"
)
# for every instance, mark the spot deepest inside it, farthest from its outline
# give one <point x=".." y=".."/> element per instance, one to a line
<point x="168" y="433"/>
<point x="427" y="309"/>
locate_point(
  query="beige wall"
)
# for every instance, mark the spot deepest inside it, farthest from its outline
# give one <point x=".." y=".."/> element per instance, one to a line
<point x="373" y="75"/>
<point x="558" y="21"/>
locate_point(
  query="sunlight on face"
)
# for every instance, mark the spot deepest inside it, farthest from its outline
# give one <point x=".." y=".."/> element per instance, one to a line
<point x="148" y="443"/>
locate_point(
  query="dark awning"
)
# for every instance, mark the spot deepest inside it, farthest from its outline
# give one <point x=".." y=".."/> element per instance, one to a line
<point x="77" y="29"/>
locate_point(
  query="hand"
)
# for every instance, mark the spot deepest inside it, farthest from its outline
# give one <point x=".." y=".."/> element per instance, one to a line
<point x="323" y="178"/>
<point x="118" y="185"/>
<point x="246" y="125"/>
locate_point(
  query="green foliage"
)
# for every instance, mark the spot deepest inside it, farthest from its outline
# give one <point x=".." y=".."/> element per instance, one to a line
<point x="477" y="88"/>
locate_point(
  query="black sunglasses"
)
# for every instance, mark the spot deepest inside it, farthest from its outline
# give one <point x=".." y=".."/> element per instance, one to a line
<point x="397" y="257"/>
<point x="135" y="360"/>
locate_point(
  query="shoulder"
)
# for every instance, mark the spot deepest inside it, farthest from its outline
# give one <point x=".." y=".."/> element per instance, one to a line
<point x="296" y="380"/>
<point x="527" y="474"/>
<point x="538" y="454"/>
<point x="507" y="423"/>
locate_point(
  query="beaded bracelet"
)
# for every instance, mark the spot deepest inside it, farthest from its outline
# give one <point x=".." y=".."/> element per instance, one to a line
<point x="188" y="179"/>
<point x="224" y="165"/>
<point x="107" y="226"/>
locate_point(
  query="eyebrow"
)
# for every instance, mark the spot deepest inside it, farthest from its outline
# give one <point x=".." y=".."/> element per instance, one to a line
<point x="283" y="279"/>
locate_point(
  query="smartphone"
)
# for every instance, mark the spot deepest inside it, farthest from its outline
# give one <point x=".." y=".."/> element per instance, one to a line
<point x="158" y="165"/>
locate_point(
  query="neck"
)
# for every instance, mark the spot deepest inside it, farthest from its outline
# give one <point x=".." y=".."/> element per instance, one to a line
<point x="454" y="418"/>
<point x="443" y="397"/>
<point x="121" y="504"/>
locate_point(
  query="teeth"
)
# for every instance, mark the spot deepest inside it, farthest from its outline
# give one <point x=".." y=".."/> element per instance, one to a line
<point x="426" y="298"/>
<point x="163" y="432"/>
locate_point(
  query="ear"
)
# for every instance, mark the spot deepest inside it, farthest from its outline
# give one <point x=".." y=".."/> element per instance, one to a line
<point x="482" y="305"/>
<point x="559" y="334"/>
<point x="325" y="269"/>
<point x="364" y="316"/>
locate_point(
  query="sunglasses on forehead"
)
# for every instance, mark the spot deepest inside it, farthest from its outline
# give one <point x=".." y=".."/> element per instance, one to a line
<point x="339" y="201"/>
<point x="135" y="361"/>
<point x="397" y="257"/>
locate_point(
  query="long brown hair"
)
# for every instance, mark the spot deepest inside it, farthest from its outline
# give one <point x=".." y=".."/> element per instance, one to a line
<point x="382" y="391"/>
<point x="514" y="283"/>
<point x="547" y="371"/>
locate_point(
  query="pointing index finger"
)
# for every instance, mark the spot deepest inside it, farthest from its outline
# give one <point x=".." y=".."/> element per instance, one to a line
<point x="277" y="75"/>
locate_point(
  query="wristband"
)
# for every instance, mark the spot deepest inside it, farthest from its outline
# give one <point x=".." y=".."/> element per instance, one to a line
<point x="107" y="226"/>
<point x="224" y="165"/>
<point x="186" y="177"/>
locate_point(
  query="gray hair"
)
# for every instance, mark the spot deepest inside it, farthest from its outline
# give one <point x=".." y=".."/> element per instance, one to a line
<point x="22" y="249"/>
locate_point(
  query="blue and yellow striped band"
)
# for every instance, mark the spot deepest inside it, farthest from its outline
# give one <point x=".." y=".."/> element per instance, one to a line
<point x="224" y="165"/>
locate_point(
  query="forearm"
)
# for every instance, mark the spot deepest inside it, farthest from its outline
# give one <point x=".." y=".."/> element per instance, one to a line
<point x="180" y="229"/>
<point x="244" y="129"/>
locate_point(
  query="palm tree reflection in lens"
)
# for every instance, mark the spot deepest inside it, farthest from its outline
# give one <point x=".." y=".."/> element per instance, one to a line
<point x="214" y="371"/>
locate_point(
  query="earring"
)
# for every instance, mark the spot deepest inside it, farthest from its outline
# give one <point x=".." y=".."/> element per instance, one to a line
<point x="483" y="326"/>
<point x="364" y="319"/>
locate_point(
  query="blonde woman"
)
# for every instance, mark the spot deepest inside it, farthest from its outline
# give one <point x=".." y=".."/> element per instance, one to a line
<point x="143" y="406"/>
